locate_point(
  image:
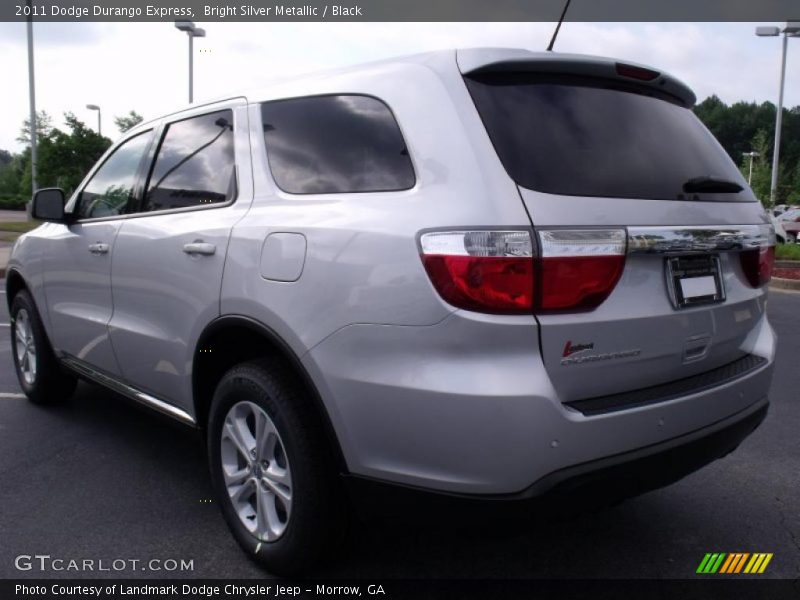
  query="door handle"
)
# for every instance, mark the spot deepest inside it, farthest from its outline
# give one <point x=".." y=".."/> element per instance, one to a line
<point x="199" y="248"/>
<point x="99" y="248"/>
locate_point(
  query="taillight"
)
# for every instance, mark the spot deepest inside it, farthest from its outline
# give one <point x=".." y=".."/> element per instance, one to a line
<point x="579" y="267"/>
<point x="758" y="261"/>
<point x="758" y="264"/>
<point x="498" y="271"/>
<point x="484" y="271"/>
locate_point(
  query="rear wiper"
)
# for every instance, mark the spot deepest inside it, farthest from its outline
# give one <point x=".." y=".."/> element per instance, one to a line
<point x="711" y="185"/>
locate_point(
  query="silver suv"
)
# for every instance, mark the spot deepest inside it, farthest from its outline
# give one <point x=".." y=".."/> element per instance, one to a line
<point x="482" y="273"/>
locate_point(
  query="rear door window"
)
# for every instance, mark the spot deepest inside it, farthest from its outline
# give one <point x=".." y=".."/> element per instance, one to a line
<point x="580" y="136"/>
<point x="194" y="164"/>
<point x="335" y="144"/>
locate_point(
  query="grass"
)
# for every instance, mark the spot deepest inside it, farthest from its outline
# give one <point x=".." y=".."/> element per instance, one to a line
<point x="787" y="252"/>
<point x="11" y="230"/>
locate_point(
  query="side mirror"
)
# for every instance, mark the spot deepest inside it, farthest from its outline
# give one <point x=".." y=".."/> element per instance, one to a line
<point x="48" y="205"/>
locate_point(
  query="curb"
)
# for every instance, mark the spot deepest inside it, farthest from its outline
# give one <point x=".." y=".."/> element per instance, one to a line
<point x="787" y="264"/>
<point x="780" y="283"/>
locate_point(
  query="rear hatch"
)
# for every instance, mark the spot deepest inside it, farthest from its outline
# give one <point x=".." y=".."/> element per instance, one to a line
<point x="653" y="251"/>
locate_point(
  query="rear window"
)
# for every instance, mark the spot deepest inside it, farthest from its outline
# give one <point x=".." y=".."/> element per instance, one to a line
<point x="330" y="144"/>
<point x="593" y="137"/>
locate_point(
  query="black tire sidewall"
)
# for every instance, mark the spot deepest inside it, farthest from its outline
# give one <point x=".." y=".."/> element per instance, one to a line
<point x="311" y="525"/>
<point x="20" y="302"/>
<point x="51" y="384"/>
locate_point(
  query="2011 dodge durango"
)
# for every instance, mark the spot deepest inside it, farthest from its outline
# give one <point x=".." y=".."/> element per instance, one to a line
<point x="484" y="273"/>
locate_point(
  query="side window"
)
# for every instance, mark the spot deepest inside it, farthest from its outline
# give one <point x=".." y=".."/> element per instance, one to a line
<point x="330" y="144"/>
<point x="111" y="187"/>
<point x="194" y="164"/>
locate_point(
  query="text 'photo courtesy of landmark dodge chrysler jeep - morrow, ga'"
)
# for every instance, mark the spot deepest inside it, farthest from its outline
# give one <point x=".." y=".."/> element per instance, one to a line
<point x="484" y="273"/>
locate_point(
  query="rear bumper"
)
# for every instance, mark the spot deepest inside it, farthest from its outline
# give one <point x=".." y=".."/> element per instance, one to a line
<point x="607" y="479"/>
<point x="466" y="407"/>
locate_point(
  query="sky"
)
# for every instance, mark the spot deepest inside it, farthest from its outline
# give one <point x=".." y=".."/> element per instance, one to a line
<point x="144" y="66"/>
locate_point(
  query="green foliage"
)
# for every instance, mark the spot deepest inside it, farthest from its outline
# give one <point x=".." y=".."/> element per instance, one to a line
<point x="745" y="126"/>
<point x="65" y="158"/>
<point x="44" y="125"/>
<point x="129" y="121"/>
<point x="762" y="168"/>
<point x="787" y="251"/>
<point x="11" y="177"/>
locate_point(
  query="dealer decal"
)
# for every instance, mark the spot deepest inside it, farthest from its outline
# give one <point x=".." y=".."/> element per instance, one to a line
<point x="574" y="353"/>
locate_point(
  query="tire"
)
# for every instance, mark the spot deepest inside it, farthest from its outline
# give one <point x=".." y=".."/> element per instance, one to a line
<point x="288" y="538"/>
<point x="39" y="374"/>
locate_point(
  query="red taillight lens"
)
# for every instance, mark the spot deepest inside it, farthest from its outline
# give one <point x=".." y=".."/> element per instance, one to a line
<point x="758" y="264"/>
<point x="484" y="284"/>
<point x="635" y="72"/>
<point x="484" y="271"/>
<point x="578" y="283"/>
<point x="579" y="267"/>
<point x="497" y="272"/>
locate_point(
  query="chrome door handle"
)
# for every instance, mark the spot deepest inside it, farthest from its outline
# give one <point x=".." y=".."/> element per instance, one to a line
<point x="200" y="248"/>
<point x="99" y="248"/>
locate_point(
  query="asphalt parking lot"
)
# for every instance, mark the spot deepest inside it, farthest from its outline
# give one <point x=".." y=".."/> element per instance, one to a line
<point x="101" y="479"/>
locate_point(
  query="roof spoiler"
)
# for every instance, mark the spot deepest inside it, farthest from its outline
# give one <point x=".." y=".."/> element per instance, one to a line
<point x="498" y="60"/>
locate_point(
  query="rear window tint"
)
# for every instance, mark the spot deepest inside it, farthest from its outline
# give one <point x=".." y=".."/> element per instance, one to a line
<point x="334" y="144"/>
<point x="593" y="137"/>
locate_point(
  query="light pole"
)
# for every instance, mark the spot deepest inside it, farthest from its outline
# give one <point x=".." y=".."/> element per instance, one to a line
<point x="97" y="108"/>
<point x="32" y="97"/>
<point x="752" y="154"/>
<point x="792" y="29"/>
<point x="192" y="32"/>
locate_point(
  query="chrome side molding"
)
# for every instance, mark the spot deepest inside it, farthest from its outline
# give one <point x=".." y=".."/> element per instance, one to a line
<point x="129" y="391"/>
<point x="698" y="239"/>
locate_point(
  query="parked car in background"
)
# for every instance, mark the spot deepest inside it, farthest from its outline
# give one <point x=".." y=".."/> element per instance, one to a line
<point x="777" y="225"/>
<point x="790" y="224"/>
<point x="779" y="209"/>
<point x="482" y="273"/>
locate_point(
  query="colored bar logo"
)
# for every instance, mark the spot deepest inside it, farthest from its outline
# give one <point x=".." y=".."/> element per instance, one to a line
<point x="735" y="562"/>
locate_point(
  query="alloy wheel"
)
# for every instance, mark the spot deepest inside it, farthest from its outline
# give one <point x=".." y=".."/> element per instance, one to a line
<point x="256" y="471"/>
<point x="25" y="346"/>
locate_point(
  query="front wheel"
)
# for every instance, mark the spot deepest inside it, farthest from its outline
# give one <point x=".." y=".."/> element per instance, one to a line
<point x="271" y="470"/>
<point x="39" y="374"/>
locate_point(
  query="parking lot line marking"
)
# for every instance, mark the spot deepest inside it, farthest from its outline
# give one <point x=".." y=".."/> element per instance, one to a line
<point x="11" y="395"/>
<point x="5" y="324"/>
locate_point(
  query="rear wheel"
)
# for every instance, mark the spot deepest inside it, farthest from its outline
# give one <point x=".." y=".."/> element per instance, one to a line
<point x="271" y="470"/>
<point x="39" y="374"/>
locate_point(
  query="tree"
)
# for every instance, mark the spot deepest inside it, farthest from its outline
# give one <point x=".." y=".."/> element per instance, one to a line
<point x="65" y="157"/>
<point x="129" y="121"/>
<point x="745" y="126"/>
<point x="44" y="125"/>
<point x="762" y="169"/>
<point x="11" y="175"/>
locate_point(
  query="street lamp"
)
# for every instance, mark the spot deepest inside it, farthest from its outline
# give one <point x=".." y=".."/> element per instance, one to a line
<point x="752" y="154"/>
<point x="97" y="108"/>
<point x="192" y="32"/>
<point x="792" y="29"/>
<point x="32" y="100"/>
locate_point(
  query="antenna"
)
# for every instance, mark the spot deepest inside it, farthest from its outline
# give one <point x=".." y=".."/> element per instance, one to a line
<point x="558" y="27"/>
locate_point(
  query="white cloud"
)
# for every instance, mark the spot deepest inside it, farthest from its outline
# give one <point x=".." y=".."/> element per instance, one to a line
<point x="142" y="66"/>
